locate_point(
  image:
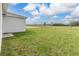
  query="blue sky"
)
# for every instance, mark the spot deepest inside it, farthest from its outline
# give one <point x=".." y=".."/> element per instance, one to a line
<point x="37" y="13"/>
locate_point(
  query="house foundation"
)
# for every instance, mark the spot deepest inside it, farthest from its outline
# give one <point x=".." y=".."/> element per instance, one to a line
<point x="7" y="35"/>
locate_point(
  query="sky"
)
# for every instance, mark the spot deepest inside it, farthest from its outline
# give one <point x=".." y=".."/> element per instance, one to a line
<point x="38" y="13"/>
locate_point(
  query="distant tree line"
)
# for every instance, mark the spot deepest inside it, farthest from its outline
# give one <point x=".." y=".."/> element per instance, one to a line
<point x="73" y="23"/>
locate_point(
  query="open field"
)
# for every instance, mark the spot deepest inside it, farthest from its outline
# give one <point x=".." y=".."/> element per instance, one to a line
<point x="43" y="41"/>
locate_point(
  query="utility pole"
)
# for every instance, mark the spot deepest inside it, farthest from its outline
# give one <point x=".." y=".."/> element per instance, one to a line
<point x="44" y="23"/>
<point x="0" y="26"/>
<point x="3" y="9"/>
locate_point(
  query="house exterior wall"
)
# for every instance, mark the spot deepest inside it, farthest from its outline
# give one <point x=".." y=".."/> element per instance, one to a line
<point x="0" y="25"/>
<point x="13" y="24"/>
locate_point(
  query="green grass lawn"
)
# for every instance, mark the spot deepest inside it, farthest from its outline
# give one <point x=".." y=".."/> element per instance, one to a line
<point x="43" y="41"/>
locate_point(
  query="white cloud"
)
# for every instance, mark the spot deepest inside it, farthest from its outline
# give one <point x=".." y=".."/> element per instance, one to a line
<point x="28" y="21"/>
<point x="67" y="19"/>
<point x="45" y="10"/>
<point x="55" y="8"/>
<point x="32" y="20"/>
<point x="55" y="16"/>
<point x="35" y="18"/>
<point x="60" y="8"/>
<point x="35" y="13"/>
<point x="29" y="7"/>
<point x="14" y="3"/>
<point x="51" y="21"/>
<point x="75" y="12"/>
<point x="55" y="5"/>
<point x="71" y="5"/>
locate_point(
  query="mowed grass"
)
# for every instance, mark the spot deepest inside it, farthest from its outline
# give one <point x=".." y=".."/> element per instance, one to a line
<point x="43" y="41"/>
